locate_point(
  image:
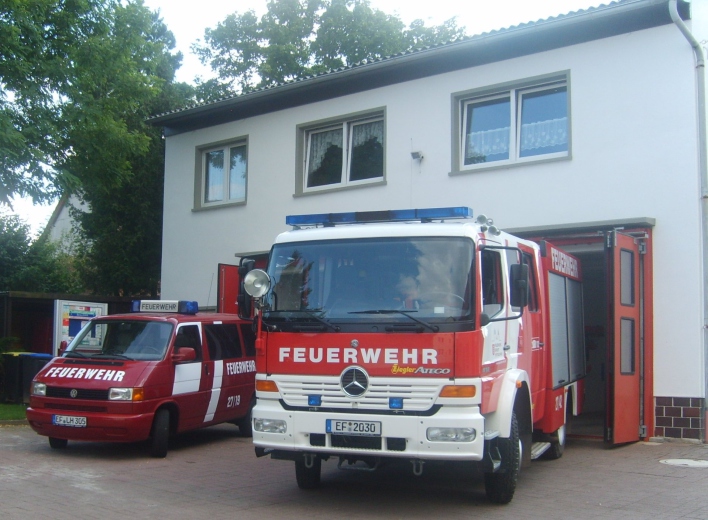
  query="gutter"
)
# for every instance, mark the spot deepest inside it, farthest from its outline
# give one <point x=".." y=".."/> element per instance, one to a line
<point x="703" y="173"/>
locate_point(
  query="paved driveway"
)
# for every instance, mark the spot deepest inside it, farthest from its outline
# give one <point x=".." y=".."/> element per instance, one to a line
<point x="214" y="474"/>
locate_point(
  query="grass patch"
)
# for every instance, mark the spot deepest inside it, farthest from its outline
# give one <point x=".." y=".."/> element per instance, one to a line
<point x="12" y="412"/>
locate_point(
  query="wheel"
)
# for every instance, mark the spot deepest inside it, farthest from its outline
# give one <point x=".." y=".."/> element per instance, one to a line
<point x="500" y="486"/>
<point x="308" y="478"/>
<point x="245" y="425"/>
<point x="58" y="444"/>
<point x="160" y="434"/>
<point x="557" y="445"/>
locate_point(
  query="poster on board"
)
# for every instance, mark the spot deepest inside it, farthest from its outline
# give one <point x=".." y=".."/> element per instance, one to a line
<point x="71" y="316"/>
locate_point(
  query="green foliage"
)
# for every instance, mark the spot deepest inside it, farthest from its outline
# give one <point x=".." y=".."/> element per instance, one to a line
<point x="35" y="266"/>
<point x="297" y="38"/>
<point x="80" y="78"/>
<point x="12" y="412"/>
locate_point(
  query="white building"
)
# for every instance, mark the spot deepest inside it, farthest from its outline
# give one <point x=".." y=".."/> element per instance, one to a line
<point x="582" y="128"/>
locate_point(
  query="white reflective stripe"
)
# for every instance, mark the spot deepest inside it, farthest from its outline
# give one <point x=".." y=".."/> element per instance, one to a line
<point x="187" y="378"/>
<point x="215" y="390"/>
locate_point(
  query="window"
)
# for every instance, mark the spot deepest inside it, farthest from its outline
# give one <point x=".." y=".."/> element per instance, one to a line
<point x="222" y="341"/>
<point x="513" y="124"/>
<point x="344" y="152"/>
<point x="224" y="172"/>
<point x="492" y="288"/>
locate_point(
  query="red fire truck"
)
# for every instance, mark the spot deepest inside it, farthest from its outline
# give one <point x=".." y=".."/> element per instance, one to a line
<point x="418" y="334"/>
<point x="163" y="369"/>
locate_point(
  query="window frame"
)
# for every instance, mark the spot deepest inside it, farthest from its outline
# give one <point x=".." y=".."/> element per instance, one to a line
<point x="346" y="123"/>
<point x="513" y="92"/>
<point x="200" y="187"/>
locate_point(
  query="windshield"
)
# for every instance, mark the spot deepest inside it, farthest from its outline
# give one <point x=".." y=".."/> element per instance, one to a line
<point x="135" y="340"/>
<point x="423" y="277"/>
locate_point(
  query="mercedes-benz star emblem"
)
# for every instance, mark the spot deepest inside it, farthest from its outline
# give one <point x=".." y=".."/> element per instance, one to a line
<point x="74" y="392"/>
<point x="354" y="381"/>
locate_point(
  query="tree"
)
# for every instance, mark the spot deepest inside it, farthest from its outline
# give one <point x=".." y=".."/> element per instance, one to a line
<point x="297" y="38"/>
<point x="38" y="266"/>
<point x="80" y="78"/>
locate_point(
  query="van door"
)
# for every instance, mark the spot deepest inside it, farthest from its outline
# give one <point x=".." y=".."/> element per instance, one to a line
<point x="192" y="380"/>
<point x="625" y="322"/>
<point x="234" y="373"/>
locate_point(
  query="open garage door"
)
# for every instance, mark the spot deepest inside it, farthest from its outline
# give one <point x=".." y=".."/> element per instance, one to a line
<point x="624" y="349"/>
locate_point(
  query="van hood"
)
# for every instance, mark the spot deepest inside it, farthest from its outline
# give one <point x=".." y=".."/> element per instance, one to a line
<point x="96" y="373"/>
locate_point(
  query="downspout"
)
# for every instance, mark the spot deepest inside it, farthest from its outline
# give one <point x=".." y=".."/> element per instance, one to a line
<point x="703" y="172"/>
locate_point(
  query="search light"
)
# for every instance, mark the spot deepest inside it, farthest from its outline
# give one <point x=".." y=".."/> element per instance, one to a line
<point x="256" y="283"/>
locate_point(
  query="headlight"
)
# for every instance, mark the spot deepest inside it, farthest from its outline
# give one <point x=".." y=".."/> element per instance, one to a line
<point x="39" y="389"/>
<point x="125" y="394"/>
<point x="451" y="434"/>
<point x="270" y="425"/>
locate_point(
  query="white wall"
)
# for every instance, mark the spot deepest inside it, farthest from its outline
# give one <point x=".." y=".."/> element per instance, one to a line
<point x="634" y="155"/>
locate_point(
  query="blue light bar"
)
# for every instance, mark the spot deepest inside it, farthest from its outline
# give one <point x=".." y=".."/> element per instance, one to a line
<point x="395" y="403"/>
<point x="314" y="400"/>
<point x="394" y="215"/>
<point x="173" y="306"/>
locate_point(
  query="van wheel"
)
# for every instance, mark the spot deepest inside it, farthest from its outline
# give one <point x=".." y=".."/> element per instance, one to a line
<point x="58" y="444"/>
<point x="160" y="434"/>
<point x="245" y="423"/>
<point x="308" y="478"/>
<point x="500" y="486"/>
<point x="557" y="445"/>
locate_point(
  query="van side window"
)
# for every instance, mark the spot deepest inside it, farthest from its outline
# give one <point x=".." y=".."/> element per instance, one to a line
<point x="249" y="339"/>
<point x="492" y="288"/>
<point x="223" y="341"/>
<point x="189" y="336"/>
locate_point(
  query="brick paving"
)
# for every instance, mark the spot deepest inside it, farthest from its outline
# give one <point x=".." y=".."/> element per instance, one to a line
<point x="214" y="474"/>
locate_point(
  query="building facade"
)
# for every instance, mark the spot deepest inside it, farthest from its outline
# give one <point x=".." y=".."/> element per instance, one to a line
<point x="582" y="129"/>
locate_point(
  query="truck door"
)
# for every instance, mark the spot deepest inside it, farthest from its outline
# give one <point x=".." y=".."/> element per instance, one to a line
<point x="192" y="381"/>
<point x="625" y="325"/>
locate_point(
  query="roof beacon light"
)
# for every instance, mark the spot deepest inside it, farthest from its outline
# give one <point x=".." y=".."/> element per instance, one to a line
<point x="173" y="306"/>
<point x="394" y="215"/>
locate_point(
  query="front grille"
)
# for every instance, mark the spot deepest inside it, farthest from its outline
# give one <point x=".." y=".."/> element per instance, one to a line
<point x="318" y="439"/>
<point x="82" y="393"/>
<point x="417" y="395"/>
<point x="356" y="442"/>
<point x="75" y="408"/>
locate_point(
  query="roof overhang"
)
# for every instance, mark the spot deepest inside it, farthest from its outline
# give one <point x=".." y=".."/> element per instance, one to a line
<point x="582" y="26"/>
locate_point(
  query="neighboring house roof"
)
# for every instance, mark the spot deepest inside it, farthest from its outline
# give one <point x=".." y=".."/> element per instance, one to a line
<point x="620" y="17"/>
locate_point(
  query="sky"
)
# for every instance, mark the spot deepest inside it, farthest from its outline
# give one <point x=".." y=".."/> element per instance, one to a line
<point x="187" y="19"/>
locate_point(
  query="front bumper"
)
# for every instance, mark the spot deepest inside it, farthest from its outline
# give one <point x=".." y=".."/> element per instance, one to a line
<point x="402" y="436"/>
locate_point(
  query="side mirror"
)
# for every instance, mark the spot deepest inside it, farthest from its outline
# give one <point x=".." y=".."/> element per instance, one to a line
<point x="62" y="347"/>
<point x="484" y="319"/>
<point x="519" y="285"/>
<point x="184" y="355"/>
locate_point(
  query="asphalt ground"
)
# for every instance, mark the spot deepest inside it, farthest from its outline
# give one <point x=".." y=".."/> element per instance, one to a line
<point x="214" y="474"/>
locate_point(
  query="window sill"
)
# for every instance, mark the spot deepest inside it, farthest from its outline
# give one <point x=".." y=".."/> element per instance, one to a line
<point x="219" y="206"/>
<point x="340" y="188"/>
<point x="509" y="164"/>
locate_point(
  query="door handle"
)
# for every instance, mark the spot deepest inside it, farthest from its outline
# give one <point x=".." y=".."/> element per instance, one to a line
<point x="206" y="369"/>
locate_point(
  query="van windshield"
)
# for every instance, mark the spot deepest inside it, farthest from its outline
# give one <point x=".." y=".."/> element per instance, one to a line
<point x="129" y="339"/>
<point x="428" y="278"/>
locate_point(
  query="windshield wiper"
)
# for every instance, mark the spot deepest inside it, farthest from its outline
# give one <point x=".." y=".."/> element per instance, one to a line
<point x="434" y="328"/>
<point x="74" y="353"/>
<point x="111" y="354"/>
<point x="312" y="314"/>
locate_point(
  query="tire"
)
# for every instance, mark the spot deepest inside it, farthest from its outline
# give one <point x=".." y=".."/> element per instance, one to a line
<point x="500" y="486"/>
<point x="58" y="444"/>
<point x="245" y="424"/>
<point x="557" y="445"/>
<point x="160" y="434"/>
<point x="308" y="478"/>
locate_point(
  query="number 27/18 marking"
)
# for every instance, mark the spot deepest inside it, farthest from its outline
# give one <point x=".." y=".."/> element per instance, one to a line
<point x="233" y="400"/>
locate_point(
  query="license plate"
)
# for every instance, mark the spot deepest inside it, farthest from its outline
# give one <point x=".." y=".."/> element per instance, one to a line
<point x="340" y="427"/>
<point x="69" y="420"/>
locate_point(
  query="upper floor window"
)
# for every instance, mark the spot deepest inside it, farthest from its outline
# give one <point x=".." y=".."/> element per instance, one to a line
<point x="514" y="124"/>
<point x="224" y="172"/>
<point x="343" y="152"/>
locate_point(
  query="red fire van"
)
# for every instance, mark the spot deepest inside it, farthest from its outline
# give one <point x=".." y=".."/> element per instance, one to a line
<point x="161" y="370"/>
